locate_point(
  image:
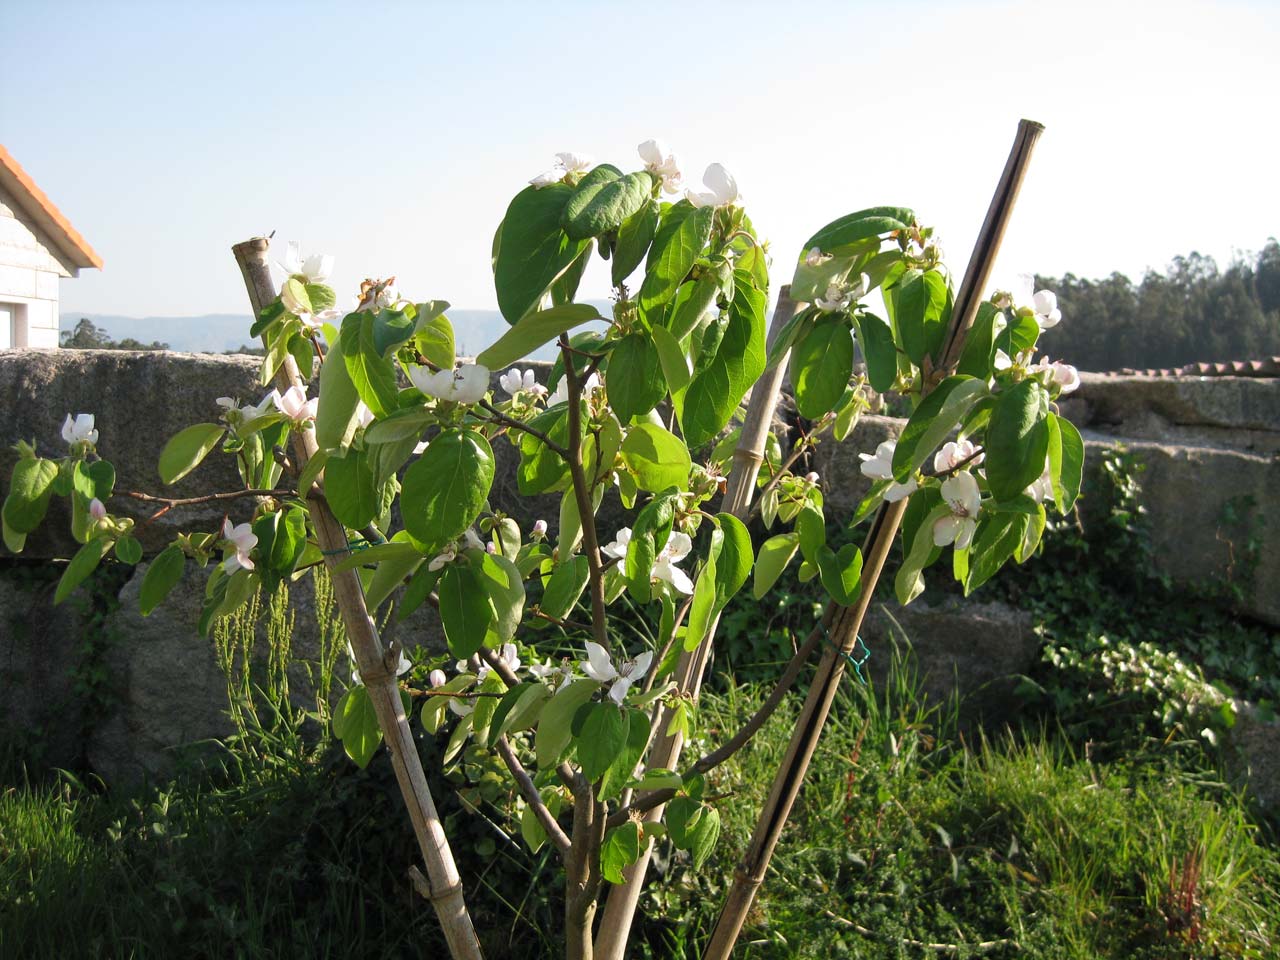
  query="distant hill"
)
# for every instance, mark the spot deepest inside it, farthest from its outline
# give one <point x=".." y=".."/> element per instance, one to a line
<point x="220" y="332"/>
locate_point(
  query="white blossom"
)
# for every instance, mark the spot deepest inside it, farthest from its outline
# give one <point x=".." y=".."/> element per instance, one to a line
<point x="617" y="549"/>
<point x="515" y="381"/>
<point x="589" y="386"/>
<point x="1041" y="488"/>
<point x="566" y="163"/>
<point x="313" y="269"/>
<point x="242" y="539"/>
<point x="546" y="670"/>
<point x="79" y="430"/>
<point x="812" y="476"/>
<point x="722" y="189"/>
<point x="662" y="163"/>
<point x="961" y="495"/>
<point x="293" y="403"/>
<point x="599" y="667"/>
<point x="665" y="566"/>
<point x="879" y="466"/>
<point x="815" y="257"/>
<point x="839" y="296"/>
<point x="1045" y="304"/>
<point x="955" y="452"/>
<point x="468" y="384"/>
<point x="403" y="666"/>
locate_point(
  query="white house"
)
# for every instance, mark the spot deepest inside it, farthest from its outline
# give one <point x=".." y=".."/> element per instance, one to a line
<point x="38" y="246"/>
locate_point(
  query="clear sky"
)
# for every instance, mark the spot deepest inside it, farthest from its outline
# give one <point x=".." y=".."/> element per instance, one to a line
<point x="393" y="135"/>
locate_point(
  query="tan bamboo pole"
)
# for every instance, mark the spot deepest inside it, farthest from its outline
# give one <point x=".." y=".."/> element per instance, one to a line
<point x="377" y="667"/>
<point x="620" y="907"/>
<point x="786" y="785"/>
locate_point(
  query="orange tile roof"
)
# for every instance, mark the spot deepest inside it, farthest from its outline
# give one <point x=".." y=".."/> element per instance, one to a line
<point x="1267" y="367"/>
<point x="40" y="208"/>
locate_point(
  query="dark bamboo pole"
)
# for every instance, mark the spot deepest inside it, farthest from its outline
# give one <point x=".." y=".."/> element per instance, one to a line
<point x="443" y="886"/>
<point x="790" y="776"/>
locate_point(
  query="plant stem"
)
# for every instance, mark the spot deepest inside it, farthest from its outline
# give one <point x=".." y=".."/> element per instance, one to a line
<point x="170" y="502"/>
<point x="582" y="494"/>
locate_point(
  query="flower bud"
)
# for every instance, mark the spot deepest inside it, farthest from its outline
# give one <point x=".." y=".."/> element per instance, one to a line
<point x="436" y="678"/>
<point x="812" y="476"/>
<point x="97" y="510"/>
<point x="540" y="528"/>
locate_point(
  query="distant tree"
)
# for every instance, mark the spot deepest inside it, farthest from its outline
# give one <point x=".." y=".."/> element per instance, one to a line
<point x="1193" y="312"/>
<point x="87" y="335"/>
<point x="246" y="349"/>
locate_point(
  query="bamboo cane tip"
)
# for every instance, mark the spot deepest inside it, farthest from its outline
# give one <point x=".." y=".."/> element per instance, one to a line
<point x="1034" y="125"/>
<point x="253" y="245"/>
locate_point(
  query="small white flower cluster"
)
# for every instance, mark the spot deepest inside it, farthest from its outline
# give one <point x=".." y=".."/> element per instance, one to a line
<point x="515" y="382"/>
<point x="467" y="384"/>
<point x="676" y="549"/>
<point x="79" y="430"/>
<point x="722" y="188"/>
<point x="840" y="295"/>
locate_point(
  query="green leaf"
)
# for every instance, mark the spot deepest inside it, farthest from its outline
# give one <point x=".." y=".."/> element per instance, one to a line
<point x="282" y="536"/>
<point x="623" y="766"/>
<point x="598" y="207"/>
<point x="671" y="356"/>
<point x="703" y="608"/>
<point x="465" y="609"/>
<point x="445" y="489"/>
<point x="372" y="374"/>
<point x="84" y="562"/>
<point x="567" y="582"/>
<point x="505" y="587"/>
<point x="533" y="330"/>
<point x="620" y="849"/>
<point x="350" y="490"/>
<point x="635" y="383"/>
<point x="937" y="415"/>
<point x="703" y="836"/>
<point x="861" y="225"/>
<point x="516" y="704"/>
<point x="392" y="328"/>
<point x="187" y="448"/>
<point x="733" y="565"/>
<point x="555" y="726"/>
<point x="979" y="352"/>
<point x="683" y="814"/>
<point x="879" y="352"/>
<point x="775" y="554"/>
<point x="681" y="237"/>
<point x="418" y="589"/>
<point x="841" y="572"/>
<point x="715" y="392"/>
<point x="649" y="535"/>
<point x="355" y="723"/>
<point x="532" y="249"/>
<point x="30" y="489"/>
<point x="656" y="456"/>
<point x="909" y="582"/>
<point x="998" y="536"/>
<point x="434" y="334"/>
<point x="821" y="365"/>
<point x="692" y="302"/>
<point x="921" y="311"/>
<point x="603" y="735"/>
<point x="1017" y="440"/>
<point x="322" y="297"/>
<point x="1068" y="471"/>
<point x="128" y="550"/>
<point x="336" y="414"/>
<point x="161" y="577"/>
<point x="634" y="237"/>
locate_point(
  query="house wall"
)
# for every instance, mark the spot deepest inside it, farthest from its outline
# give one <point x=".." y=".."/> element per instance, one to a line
<point x="30" y="269"/>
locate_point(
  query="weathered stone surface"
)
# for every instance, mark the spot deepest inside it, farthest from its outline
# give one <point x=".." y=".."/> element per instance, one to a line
<point x="838" y="466"/>
<point x="140" y="400"/>
<point x="172" y="690"/>
<point x="40" y="647"/>
<point x="973" y="649"/>
<point x="1245" y="403"/>
<point x="1188" y="493"/>
<point x="1253" y="752"/>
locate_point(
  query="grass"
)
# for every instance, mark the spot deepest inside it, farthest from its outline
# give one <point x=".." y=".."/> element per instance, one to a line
<point x="907" y="833"/>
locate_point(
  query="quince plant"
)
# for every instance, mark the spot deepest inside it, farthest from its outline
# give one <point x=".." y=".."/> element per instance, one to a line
<point x="541" y="686"/>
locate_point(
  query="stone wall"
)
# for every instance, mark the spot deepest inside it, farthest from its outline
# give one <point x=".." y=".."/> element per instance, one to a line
<point x="1208" y="444"/>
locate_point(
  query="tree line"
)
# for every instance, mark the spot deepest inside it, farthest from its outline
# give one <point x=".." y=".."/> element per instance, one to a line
<point x="1194" y="312"/>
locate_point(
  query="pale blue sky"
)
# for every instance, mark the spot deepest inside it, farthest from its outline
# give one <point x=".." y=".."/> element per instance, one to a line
<point x="393" y="135"/>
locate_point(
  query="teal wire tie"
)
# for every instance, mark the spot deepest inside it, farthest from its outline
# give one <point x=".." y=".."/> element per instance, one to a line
<point x="855" y="662"/>
<point x="359" y="543"/>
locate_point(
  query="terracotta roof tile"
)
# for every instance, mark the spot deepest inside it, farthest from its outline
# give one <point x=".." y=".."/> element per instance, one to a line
<point x="1266" y="367"/>
<point x="38" y="206"/>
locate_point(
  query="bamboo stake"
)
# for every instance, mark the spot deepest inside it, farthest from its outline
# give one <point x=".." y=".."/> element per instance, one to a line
<point x="620" y="908"/>
<point x="790" y="776"/>
<point x="443" y="887"/>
